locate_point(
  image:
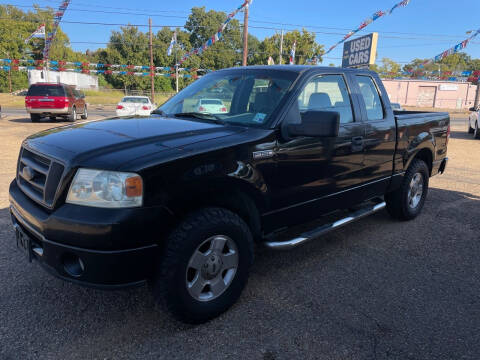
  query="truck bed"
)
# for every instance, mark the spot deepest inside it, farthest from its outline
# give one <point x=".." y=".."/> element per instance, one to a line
<point x="417" y="130"/>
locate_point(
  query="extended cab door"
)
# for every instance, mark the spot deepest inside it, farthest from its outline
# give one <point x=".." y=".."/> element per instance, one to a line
<point x="380" y="133"/>
<point x="314" y="173"/>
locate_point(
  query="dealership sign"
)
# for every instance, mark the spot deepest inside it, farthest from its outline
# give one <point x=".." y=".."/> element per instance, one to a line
<point x="360" y="52"/>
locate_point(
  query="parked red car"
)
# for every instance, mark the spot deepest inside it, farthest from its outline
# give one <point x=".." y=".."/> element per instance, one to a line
<point x="55" y="100"/>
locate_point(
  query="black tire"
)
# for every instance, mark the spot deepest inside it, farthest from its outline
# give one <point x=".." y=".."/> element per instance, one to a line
<point x="35" y="117"/>
<point x="169" y="284"/>
<point x="73" y="115"/>
<point x="476" y="131"/>
<point x="470" y="129"/>
<point x="398" y="204"/>
<point x="84" y="116"/>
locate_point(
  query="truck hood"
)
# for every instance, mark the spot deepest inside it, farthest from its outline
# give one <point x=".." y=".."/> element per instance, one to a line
<point x="111" y="142"/>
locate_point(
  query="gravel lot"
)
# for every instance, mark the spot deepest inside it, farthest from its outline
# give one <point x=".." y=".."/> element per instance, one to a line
<point x="375" y="289"/>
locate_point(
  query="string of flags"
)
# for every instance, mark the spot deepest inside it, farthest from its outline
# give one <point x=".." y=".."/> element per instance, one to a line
<point x="459" y="75"/>
<point x="106" y="72"/>
<point x="217" y="36"/>
<point x="83" y="66"/>
<point x="455" y="49"/>
<point x="40" y="32"/>
<point x="56" y="21"/>
<point x="368" y="21"/>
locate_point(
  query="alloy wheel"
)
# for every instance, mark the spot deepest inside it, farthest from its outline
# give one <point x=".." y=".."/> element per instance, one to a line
<point x="212" y="268"/>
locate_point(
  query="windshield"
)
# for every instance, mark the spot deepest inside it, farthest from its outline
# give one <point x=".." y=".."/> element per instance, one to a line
<point x="245" y="97"/>
<point x="46" y="90"/>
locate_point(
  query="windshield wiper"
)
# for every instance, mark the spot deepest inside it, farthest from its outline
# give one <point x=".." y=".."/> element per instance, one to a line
<point x="202" y="116"/>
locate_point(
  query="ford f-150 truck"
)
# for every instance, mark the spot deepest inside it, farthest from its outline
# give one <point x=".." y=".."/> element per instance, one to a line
<point x="179" y="199"/>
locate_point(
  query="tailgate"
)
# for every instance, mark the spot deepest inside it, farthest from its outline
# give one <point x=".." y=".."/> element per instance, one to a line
<point x="46" y="102"/>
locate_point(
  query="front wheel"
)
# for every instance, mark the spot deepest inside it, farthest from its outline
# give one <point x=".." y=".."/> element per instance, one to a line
<point x="205" y="265"/>
<point x="407" y="201"/>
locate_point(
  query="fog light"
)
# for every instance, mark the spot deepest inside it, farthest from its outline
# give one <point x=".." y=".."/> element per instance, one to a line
<point x="73" y="265"/>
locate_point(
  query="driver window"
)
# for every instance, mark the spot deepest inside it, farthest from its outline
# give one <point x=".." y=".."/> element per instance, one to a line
<point x="327" y="93"/>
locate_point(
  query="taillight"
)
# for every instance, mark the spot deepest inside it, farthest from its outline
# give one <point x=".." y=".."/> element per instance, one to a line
<point x="448" y="134"/>
<point x="223" y="109"/>
<point x="119" y="107"/>
<point x="201" y="108"/>
<point x="145" y="107"/>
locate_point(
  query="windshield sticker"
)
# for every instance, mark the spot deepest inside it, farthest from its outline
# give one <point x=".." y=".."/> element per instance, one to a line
<point x="259" y="117"/>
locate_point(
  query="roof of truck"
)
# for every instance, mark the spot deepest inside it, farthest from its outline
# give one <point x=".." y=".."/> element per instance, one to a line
<point x="296" y="68"/>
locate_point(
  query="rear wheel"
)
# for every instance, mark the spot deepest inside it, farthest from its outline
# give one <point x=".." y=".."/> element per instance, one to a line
<point x="205" y="265"/>
<point x="73" y="115"/>
<point x="85" y="113"/>
<point x="35" y="117"/>
<point x="476" y="132"/>
<point x="407" y="201"/>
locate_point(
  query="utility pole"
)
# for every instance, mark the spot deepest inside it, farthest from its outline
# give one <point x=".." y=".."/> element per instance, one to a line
<point x="281" y="48"/>
<point x="245" y="36"/>
<point x="152" y="69"/>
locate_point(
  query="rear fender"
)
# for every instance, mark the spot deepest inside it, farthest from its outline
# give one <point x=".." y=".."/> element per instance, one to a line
<point x="422" y="146"/>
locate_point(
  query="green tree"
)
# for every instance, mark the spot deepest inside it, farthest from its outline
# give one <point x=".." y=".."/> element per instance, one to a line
<point x="16" y="25"/>
<point x="306" y="47"/>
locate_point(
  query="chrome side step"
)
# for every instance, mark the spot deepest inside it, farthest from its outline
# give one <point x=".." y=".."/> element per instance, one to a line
<point x="315" y="233"/>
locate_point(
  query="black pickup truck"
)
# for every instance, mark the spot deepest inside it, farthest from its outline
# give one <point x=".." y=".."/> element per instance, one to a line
<point x="180" y="198"/>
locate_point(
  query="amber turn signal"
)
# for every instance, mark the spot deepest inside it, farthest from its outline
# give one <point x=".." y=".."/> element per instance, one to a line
<point x="134" y="186"/>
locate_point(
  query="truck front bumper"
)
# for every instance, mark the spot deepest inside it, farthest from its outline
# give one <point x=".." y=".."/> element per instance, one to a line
<point x="89" y="246"/>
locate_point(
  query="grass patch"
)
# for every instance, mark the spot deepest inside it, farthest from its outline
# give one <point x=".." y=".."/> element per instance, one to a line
<point x="11" y="101"/>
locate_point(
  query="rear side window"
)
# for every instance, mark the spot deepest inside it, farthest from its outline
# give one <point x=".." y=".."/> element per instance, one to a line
<point x="46" y="90"/>
<point x="327" y="93"/>
<point x="371" y="97"/>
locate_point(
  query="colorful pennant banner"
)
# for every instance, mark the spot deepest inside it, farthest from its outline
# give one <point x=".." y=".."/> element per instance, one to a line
<point x="368" y="21"/>
<point x="217" y="36"/>
<point x="106" y="72"/>
<point x="56" y="21"/>
<point x="455" y="49"/>
<point x="84" y="65"/>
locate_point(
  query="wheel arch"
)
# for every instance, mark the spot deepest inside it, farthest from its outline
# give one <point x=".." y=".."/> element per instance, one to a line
<point x="231" y="194"/>
<point x="425" y="153"/>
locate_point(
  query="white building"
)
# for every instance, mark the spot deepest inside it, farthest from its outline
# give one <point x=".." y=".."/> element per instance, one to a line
<point x="79" y="80"/>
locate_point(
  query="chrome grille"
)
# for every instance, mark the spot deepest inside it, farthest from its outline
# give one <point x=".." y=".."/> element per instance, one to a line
<point x="39" y="176"/>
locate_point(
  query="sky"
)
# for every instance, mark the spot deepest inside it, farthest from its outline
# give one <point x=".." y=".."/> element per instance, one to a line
<point x="423" y="29"/>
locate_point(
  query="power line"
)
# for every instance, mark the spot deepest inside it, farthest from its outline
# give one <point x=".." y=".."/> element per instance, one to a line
<point x="256" y="21"/>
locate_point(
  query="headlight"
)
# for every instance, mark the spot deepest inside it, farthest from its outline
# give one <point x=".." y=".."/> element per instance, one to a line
<point x="108" y="189"/>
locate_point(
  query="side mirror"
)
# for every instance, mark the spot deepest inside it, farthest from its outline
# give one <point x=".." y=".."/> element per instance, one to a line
<point x="472" y="109"/>
<point x="316" y="124"/>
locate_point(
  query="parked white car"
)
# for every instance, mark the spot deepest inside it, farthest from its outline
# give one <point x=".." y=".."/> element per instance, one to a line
<point x="474" y="122"/>
<point x="135" y="106"/>
<point x="211" y="106"/>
